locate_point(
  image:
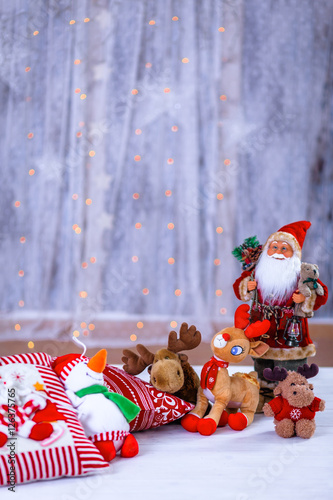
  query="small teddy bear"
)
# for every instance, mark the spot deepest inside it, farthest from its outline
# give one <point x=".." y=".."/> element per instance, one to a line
<point x="308" y="285"/>
<point x="295" y="405"/>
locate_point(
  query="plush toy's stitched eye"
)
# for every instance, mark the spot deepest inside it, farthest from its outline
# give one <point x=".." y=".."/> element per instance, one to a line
<point x="166" y="357"/>
<point x="236" y="350"/>
<point x="293" y="384"/>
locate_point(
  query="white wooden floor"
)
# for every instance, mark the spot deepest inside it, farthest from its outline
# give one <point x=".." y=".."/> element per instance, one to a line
<point x="173" y="464"/>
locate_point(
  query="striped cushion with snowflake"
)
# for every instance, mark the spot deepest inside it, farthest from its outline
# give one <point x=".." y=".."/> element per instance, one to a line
<point x="40" y="435"/>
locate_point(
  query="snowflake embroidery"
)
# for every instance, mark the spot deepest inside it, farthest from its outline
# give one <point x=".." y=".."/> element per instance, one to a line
<point x="18" y="376"/>
<point x="211" y="380"/>
<point x="295" y="413"/>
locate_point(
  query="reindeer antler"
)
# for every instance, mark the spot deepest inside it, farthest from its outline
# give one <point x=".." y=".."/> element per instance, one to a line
<point x="242" y="316"/>
<point x="134" y="364"/>
<point x="308" y="371"/>
<point x="278" y="374"/>
<point x="189" y="338"/>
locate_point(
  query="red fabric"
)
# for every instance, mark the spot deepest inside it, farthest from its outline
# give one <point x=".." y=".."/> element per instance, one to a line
<point x="48" y="414"/>
<point x="274" y="340"/>
<point x="209" y="372"/>
<point x="297" y="229"/>
<point x="282" y="409"/>
<point x="157" y="407"/>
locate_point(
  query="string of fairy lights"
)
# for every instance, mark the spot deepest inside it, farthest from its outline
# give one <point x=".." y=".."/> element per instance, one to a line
<point x="86" y="327"/>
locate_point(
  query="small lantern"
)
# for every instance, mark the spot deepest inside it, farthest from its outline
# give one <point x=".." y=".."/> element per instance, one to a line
<point x="293" y="334"/>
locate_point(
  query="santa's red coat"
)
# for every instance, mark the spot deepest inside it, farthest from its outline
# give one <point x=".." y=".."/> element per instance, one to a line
<point x="278" y="348"/>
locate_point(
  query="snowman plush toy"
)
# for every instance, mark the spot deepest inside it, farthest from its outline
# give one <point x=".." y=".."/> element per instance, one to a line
<point x="104" y="415"/>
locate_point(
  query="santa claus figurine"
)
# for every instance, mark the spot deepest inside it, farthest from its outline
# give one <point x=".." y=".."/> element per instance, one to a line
<point x="272" y="285"/>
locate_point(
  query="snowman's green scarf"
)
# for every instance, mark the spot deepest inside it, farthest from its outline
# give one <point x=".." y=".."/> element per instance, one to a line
<point x="127" y="407"/>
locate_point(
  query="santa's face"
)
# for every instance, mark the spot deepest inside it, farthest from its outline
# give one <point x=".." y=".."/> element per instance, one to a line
<point x="277" y="272"/>
<point x="280" y="250"/>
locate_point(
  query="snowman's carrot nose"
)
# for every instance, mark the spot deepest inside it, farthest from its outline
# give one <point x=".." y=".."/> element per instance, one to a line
<point x="97" y="363"/>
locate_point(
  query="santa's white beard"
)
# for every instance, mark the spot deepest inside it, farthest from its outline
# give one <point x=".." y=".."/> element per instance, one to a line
<point x="277" y="278"/>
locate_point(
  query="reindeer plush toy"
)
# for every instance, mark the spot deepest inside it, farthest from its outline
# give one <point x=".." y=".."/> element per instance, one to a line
<point x="239" y="391"/>
<point x="169" y="370"/>
<point x="295" y="405"/>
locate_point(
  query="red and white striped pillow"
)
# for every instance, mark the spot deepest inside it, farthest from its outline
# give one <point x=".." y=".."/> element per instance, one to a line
<point x="157" y="407"/>
<point x="73" y="454"/>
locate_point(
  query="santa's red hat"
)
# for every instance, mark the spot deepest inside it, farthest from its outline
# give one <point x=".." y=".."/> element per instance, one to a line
<point x="63" y="365"/>
<point x="293" y="233"/>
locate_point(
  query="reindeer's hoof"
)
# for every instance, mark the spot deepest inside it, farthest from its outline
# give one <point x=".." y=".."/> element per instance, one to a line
<point x="223" y="419"/>
<point x="190" y="422"/>
<point x="237" y="421"/>
<point x="207" y="426"/>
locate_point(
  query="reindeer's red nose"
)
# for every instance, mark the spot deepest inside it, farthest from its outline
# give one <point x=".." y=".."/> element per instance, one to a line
<point x="226" y="336"/>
